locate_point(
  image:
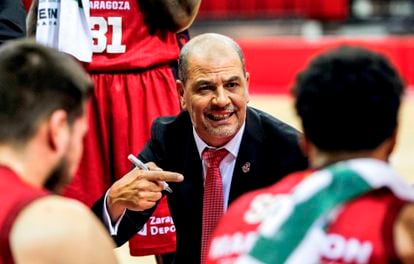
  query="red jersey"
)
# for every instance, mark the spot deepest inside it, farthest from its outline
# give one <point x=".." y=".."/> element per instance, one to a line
<point x="14" y="196"/>
<point x="134" y="84"/>
<point x="27" y="4"/>
<point x="362" y="232"/>
<point x="122" y="41"/>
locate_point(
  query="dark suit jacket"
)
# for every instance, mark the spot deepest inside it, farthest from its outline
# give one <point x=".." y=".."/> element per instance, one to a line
<point x="269" y="145"/>
<point x="12" y="20"/>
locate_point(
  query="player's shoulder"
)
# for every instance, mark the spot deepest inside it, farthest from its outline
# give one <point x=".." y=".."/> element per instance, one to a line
<point x="53" y="208"/>
<point x="54" y="227"/>
<point x="52" y="218"/>
<point x="237" y="229"/>
<point x="251" y="207"/>
<point x="283" y="186"/>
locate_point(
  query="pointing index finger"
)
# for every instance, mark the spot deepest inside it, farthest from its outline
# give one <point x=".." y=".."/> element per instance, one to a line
<point x="162" y="176"/>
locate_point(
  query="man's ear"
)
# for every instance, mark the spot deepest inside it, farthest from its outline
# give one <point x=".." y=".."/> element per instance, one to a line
<point x="58" y="131"/>
<point x="180" y="90"/>
<point x="392" y="141"/>
<point x="247" y="86"/>
<point x="304" y="144"/>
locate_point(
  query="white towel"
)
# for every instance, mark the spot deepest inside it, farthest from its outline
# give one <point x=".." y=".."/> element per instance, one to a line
<point x="64" y="25"/>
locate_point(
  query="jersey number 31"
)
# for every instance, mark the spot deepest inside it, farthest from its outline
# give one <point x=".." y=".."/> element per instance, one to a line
<point x="100" y="27"/>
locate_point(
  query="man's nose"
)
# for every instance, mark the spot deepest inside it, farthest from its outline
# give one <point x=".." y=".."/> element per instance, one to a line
<point x="221" y="97"/>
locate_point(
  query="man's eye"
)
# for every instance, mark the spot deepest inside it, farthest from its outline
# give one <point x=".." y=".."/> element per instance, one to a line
<point x="232" y="84"/>
<point x="204" y="87"/>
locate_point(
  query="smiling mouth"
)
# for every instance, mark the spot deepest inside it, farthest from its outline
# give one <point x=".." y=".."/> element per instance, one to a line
<point x="219" y="117"/>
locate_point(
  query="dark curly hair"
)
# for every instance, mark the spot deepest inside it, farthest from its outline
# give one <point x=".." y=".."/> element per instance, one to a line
<point x="348" y="99"/>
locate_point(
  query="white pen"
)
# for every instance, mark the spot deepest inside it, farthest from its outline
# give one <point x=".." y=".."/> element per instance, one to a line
<point x="139" y="164"/>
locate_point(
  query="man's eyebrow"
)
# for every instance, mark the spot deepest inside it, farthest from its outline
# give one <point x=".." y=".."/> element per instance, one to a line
<point x="202" y="82"/>
<point x="233" y="79"/>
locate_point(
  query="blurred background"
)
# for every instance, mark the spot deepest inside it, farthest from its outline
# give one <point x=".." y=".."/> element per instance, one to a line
<point x="279" y="37"/>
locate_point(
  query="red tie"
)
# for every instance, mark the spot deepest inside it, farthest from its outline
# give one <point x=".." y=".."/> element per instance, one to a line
<point x="213" y="199"/>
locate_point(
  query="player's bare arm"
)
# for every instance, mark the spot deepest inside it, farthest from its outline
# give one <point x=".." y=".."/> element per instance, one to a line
<point x="31" y="19"/>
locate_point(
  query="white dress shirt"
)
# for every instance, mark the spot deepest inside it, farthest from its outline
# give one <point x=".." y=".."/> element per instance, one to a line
<point x="227" y="164"/>
<point x="226" y="170"/>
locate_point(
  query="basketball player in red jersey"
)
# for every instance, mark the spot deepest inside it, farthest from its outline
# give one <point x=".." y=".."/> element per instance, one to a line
<point x="43" y="97"/>
<point x="348" y="102"/>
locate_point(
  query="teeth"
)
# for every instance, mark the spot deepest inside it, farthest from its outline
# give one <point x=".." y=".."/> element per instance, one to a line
<point x="219" y="117"/>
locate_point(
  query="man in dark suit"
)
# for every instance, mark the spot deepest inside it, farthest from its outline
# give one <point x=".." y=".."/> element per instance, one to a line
<point x="213" y="90"/>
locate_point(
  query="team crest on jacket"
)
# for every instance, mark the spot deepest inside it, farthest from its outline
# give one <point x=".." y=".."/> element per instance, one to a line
<point x="246" y="167"/>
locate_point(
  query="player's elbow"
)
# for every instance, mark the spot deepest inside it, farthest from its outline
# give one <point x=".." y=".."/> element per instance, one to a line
<point x="183" y="20"/>
<point x="182" y="23"/>
<point x="184" y="17"/>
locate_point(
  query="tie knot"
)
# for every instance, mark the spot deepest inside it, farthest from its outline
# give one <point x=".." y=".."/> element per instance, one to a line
<point x="213" y="157"/>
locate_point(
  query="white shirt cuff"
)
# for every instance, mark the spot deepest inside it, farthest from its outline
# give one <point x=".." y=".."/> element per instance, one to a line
<point x="113" y="228"/>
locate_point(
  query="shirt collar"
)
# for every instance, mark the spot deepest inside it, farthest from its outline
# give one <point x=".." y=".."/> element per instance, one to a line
<point x="232" y="146"/>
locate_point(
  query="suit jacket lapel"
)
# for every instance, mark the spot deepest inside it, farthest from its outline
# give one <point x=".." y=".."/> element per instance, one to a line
<point x="249" y="158"/>
<point x="193" y="172"/>
<point x="190" y="191"/>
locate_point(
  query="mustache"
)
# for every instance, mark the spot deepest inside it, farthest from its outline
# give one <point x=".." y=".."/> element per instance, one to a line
<point x="227" y="108"/>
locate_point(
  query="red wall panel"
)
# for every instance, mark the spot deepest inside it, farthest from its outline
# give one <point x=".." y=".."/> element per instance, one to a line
<point x="273" y="63"/>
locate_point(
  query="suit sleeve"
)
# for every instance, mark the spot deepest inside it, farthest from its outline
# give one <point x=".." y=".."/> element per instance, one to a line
<point x="130" y="224"/>
<point x="12" y="20"/>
